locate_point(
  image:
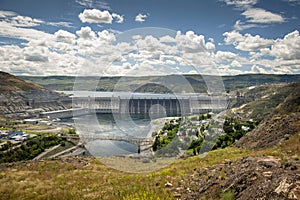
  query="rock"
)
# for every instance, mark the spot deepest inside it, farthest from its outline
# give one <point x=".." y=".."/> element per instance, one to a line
<point x="177" y="195"/>
<point x="168" y="184"/>
<point x="283" y="187"/>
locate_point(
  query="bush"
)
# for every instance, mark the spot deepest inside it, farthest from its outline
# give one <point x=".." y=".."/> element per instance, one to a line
<point x="228" y="195"/>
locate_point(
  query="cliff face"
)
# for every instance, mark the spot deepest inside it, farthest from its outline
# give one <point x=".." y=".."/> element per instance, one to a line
<point x="19" y="99"/>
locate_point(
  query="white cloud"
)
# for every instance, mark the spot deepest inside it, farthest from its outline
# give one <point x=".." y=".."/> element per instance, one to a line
<point x="258" y="15"/>
<point x="98" y="16"/>
<point x="86" y="33"/>
<point x="246" y="42"/>
<point x="35" y="54"/>
<point x="258" y="69"/>
<point x="106" y="36"/>
<point x="17" y="20"/>
<point x="9" y="30"/>
<point x="225" y="56"/>
<point x="93" y="3"/>
<point x="65" y="24"/>
<point x="239" y="26"/>
<point x="65" y="36"/>
<point x="192" y="43"/>
<point x="118" y="18"/>
<point x="241" y="3"/>
<point x="95" y="16"/>
<point x="89" y="52"/>
<point x="167" y="39"/>
<point x="141" y="17"/>
<point x="236" y="63"/>
<point x="4" y="14"/>
<point x="24" y="21"/>
<point x="287" y="48"/>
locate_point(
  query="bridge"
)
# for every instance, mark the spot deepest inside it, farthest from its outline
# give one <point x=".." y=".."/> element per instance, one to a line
<point x="142" y="143"/>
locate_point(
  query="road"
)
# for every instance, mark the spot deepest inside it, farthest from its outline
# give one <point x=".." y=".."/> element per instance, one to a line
<point x="45" y="152"/>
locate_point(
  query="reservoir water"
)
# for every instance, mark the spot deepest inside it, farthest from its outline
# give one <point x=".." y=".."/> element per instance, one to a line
<point x="111" y="125"/>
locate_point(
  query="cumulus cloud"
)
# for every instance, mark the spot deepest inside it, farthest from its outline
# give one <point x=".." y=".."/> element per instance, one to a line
<point x="36" y="54"/>
<point x="99" y="16"/>
<point x="95" y="16"/>
<point x="192" y="43"/>
<point x="65" y="36"/>
<point x="258" y="15"/>
<point x="106" y="36"/>
<point x="141" y="17"/>
<point x="86" y="51"/>
<point x="167" y="39"/>
<point x="118" y="18"/>
<point x="225" y="56"/>
<point x="246" y="42"/>
<point x="86" y="33"/>
<point x="287" y="48"/>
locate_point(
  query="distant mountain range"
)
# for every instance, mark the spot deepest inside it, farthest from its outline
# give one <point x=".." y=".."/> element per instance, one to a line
<point x="158" y="84"/>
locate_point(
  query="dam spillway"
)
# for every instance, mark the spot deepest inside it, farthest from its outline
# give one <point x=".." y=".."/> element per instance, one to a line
<point x="141" y="103"/>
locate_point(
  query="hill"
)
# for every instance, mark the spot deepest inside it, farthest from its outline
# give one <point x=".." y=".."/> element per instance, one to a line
<point x="256" y="103"/>
<point x="19" y="98"/>
<point x="155" y="83"/>
<point x="12" y="83"/>
<point x="282" y="123"/>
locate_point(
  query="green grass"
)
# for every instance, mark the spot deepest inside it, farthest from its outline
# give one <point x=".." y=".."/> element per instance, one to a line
<point x="71" y="180"/>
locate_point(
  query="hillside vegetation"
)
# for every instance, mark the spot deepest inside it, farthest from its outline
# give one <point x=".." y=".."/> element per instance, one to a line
<point x="11" y="83"/>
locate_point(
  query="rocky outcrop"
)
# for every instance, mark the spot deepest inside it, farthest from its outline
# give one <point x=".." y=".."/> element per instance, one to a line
<point x="250" y="178"/>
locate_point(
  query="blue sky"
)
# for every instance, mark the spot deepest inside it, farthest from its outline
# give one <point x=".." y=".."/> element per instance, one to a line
<point x="69" y="37"/>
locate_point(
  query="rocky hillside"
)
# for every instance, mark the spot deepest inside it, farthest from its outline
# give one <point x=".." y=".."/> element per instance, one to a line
<point x="280" y="125"/>
<point x="19" y="98"/>
<point x="260" y="101"/>
<point x="272" y="168"/>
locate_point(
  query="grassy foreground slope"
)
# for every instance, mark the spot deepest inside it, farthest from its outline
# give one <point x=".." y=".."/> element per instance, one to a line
<point x="209" y="177"/>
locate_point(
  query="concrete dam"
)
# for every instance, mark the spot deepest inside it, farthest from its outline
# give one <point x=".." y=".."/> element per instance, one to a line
<point x="85" y="102"/>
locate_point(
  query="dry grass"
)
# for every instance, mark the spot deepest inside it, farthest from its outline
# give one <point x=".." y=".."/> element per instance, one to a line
<point x="89" y="178"/>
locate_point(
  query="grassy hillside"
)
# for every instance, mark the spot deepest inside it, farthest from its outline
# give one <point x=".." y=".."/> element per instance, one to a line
<point x="210" y="177"/>
<point x="9" y="82"/>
